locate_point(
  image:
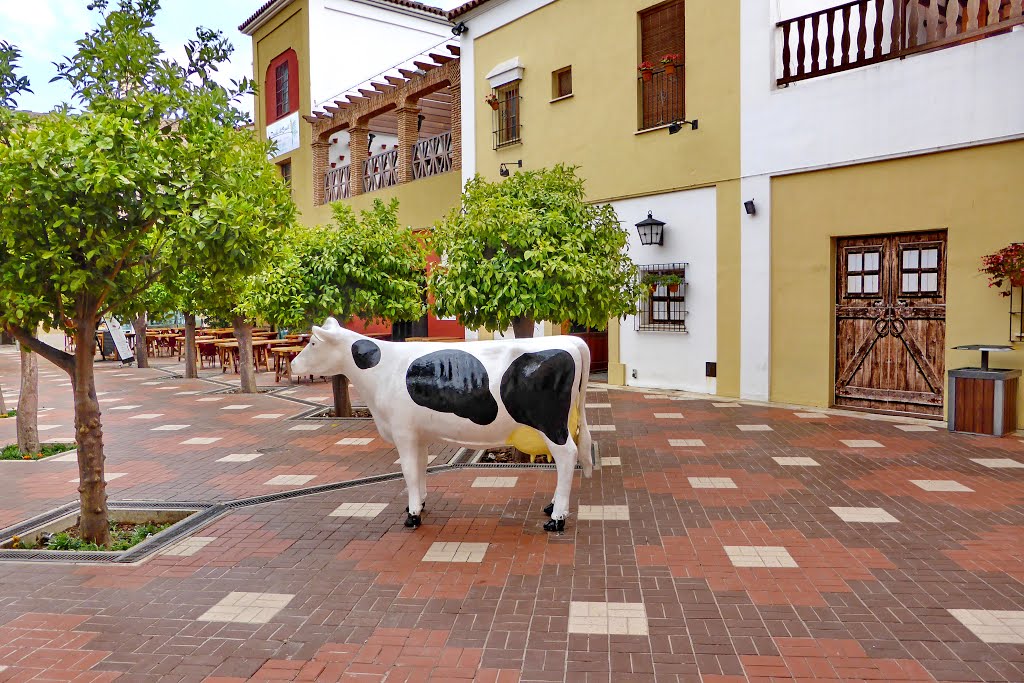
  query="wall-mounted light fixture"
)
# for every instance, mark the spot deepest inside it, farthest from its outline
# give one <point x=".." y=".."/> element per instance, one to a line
<point x="652" y="231"/>
<point x="749" y="207"/>
<point x="503" y="170"/>
<point x="677" y="126"/>
<point x="459" y="28"/>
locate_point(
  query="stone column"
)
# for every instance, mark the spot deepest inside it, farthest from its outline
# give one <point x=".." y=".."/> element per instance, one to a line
<point x="408" y="136"/>
<point x="456" y="122"/>
<point x="321" y="152"/>
<point x="358" y="140"/>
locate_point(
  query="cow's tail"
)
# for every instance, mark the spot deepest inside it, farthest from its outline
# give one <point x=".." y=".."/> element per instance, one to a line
<point x="584" y="452"/>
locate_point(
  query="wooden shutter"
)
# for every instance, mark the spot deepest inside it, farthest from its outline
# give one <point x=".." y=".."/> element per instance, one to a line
<point x="661" y="33"/>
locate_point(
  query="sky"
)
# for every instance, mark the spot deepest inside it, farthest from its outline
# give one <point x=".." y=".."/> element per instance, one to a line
<point x="45" y="31"/>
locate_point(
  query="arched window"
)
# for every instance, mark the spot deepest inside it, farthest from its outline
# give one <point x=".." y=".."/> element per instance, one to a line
<point x="281" y="87"/>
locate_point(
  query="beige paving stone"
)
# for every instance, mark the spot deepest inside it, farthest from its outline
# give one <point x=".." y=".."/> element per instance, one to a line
<point x="759" y="556"/>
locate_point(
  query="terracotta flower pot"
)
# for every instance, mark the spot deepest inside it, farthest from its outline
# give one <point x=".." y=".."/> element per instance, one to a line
<point x="494" y="104"/>
<point x="673" y="288"/>
<point x="647" y="75"/>
<point x="670" y="69"/>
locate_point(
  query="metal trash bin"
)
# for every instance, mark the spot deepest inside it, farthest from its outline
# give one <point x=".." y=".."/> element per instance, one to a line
<point x="983" y="400"/>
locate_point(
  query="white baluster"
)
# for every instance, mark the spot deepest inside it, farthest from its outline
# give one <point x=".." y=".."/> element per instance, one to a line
<point x="993" y="12"/>
<point x="1016" y="8"/>
<point x="932" y="20"/>
<point x="913" y="24"/>
<point x="952" y="17"/>
<point x="972" y="14"/>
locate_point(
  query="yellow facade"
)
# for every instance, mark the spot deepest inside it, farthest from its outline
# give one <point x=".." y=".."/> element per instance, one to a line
<point x="596" y="128"/>
<point x="421" y="203"/>
<point x="289" y="29"/>
<point x="972" y="193"/>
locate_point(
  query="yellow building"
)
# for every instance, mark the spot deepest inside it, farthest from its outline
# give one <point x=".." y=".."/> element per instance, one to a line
<point x="662" y="141"/>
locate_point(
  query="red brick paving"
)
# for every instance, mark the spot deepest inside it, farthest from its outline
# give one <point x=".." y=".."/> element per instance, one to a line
<point x="867" y="602"/>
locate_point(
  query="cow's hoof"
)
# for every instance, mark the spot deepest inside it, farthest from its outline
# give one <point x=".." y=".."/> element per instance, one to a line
<point x="555" y="525"/>
<point x="412" y="521"/>
<point x="549" y="508"/>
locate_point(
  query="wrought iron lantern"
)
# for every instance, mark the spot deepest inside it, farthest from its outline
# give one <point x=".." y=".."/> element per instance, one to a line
<point x="652" y="231"/>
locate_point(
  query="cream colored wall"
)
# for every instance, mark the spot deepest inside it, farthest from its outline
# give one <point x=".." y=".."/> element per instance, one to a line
<point x="421" y="203"/>
<point x="973" y="193"/>
<point x="596" y="128"/>
<point x="289" y="29"/>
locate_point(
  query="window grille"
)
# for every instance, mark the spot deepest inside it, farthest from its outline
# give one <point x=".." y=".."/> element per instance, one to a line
<point x="662" y="98"/>
<point x="506" y="116"/>
<point x="863" y="271"/>
<point x="662" y="306"/>
<point x="919" y="269"/>
<point x="281" y="90"/>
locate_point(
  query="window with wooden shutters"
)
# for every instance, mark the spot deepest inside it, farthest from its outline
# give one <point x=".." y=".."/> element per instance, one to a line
<point x="506" y="116"/>
<point x="561" y="83"/>
<point x="662" y="89"/>
<point x="281" y="89"/>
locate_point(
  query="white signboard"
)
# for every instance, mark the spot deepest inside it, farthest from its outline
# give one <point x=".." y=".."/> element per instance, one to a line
<point x="284" y="134"/>
<point x="124" y="352"/>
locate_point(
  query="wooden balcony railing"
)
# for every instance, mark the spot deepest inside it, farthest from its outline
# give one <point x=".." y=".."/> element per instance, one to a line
<point x="864" y="32"/>
<point x="432" y="156"/>
<point x="380" y="171"/>
<point x="337" y="184"/>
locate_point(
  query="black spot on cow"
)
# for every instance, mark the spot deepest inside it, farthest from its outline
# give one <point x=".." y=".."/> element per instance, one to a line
<point x="452" y="381"/>
<point x="365" y="353"/>
<point x="537" y="392"/>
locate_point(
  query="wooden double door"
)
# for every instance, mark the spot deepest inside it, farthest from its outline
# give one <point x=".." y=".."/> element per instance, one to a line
<point x="891" y="322"/>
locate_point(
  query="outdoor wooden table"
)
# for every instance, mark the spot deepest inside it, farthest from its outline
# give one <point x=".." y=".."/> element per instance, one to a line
<point x="283" y="356"/>
<point x="259" y="352"/>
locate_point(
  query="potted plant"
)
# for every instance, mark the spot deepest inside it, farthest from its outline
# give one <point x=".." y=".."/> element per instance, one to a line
<point x="668" y="280"/>
<point x="1005" y="266"/>
<point x="669" y="61"/>
<point x="492" y="100"/>
<point x="646" y="70"/>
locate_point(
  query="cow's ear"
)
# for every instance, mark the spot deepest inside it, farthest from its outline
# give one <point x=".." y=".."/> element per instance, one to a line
<point x="327" y="332"/>
<point x="331" y="324"/>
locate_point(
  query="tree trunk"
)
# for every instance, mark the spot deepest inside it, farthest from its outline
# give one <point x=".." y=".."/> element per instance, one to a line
<point x="93" y="520"/>
<point x="141" y="350"/>
<point x="342" y="400"/>
<point x="191" y="371"/>
<point x="246" y="362"/>
<point x="3" y="404"/>
<point x="28" y="403"/>
<point x="523" y="328"/>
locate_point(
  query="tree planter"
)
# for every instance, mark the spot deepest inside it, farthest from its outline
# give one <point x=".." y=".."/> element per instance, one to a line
<point x="35" y="540"/>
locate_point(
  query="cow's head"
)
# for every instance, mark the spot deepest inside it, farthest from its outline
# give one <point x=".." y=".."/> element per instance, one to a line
<point x="328" y="353"/>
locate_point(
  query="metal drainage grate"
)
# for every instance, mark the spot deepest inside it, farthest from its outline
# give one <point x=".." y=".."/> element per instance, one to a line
<point x="321" y="413"/>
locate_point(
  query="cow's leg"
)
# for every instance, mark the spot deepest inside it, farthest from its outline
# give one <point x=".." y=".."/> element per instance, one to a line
<point x="423" y="479"/>
<point x="415" y="479"/>
<point x="565" y="463"/>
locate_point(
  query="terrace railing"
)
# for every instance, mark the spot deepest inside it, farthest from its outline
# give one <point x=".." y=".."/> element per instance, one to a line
<point x="432" y="156"/>
<point x="337" y="184"/>
<point x="380" y="171"/>
<point x="863" y="32"/>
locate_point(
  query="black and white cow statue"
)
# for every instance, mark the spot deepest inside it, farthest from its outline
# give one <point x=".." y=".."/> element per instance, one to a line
<point x="528" y="393"/>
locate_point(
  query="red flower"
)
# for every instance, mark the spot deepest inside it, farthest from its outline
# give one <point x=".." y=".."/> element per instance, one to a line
<point x="1005" y="266"/>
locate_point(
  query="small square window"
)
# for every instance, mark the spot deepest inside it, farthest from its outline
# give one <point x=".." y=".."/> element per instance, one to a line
<point x="286" y="172"/>
<point x="561" y="83"/>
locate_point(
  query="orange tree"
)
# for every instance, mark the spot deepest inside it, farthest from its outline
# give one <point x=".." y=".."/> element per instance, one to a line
<point x="98" y="203"/>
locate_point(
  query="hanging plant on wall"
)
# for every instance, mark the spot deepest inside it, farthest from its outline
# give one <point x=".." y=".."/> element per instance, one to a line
<point x="1005" y="267"/>
<point x="646" y="70"/>
<point x="668" y="280"/>
<point x="669" y="61"/>
<point x="492" y="100"/>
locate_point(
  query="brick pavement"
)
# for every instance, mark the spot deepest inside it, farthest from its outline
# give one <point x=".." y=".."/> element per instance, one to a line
<point x="721" y="542"/>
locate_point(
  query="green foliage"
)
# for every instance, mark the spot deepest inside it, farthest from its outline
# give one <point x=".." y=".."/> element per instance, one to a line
<point x="364" y="265"/>
<point x="150" y="178"/>
<point x="531" y="247"/>
<point x="12" y="452"/>
<point x="121" y="537"/>
<point x="666" y="279"/>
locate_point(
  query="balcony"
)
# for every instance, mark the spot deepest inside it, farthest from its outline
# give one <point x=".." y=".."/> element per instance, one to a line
<point x="864" y="32"/>
<point x="400" y="128"/>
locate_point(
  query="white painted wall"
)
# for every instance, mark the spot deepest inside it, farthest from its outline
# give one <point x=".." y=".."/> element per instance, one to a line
<point x="352" y="40"/>
<point x="675" y="360"/>
<point x="960" y="96"/>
